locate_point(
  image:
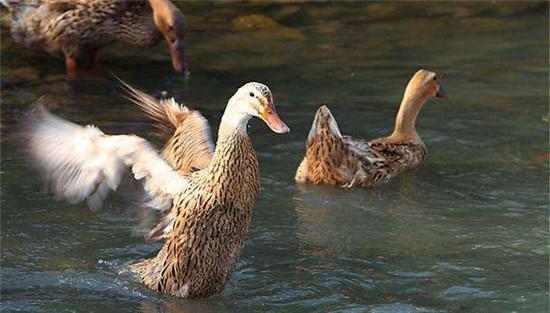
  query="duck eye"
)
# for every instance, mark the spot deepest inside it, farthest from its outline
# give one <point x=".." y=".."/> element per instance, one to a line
<point x="252" y="94"/>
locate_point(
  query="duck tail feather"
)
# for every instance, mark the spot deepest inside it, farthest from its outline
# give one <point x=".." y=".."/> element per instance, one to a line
<point x="324" y="120"/>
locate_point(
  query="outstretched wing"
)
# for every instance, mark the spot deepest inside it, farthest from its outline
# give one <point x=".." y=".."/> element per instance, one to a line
<point x="83" y="163"/>
<point x="190" y="146"/>
<point x="166" y="113"/>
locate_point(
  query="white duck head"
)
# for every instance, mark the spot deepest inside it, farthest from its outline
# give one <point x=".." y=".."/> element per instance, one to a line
<point x="253" y="99"/>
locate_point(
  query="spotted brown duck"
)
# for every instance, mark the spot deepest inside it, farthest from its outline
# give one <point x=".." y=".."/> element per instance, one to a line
<point x="80" y="28"/>
<point x="210" y="192"/>
<point x="337" y="160"/>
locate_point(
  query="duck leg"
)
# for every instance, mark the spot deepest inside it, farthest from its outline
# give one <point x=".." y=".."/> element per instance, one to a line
<point x="96" y="67"/>
<point x="71" y="66"/>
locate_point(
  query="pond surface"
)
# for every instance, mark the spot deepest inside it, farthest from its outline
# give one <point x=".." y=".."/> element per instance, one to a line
<point x="468" y="231"/>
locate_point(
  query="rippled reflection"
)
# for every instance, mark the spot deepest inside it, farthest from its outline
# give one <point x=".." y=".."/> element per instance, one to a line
<point x="465" y="232"/>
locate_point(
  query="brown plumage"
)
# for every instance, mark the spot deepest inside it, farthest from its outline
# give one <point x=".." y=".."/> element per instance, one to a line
<point x="208" y="224"/>
<point x="77" y="28"/>
<point x="189" y="145"/>
<point x="205" y="230"/>
<point x="344" y="161"/>
<point x="211" y="209"/>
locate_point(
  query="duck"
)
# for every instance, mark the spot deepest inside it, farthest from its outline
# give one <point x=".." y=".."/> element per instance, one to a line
<point x="209" y="204"/>
<point x="80" y="28"/>
<point x="343" y="161"/>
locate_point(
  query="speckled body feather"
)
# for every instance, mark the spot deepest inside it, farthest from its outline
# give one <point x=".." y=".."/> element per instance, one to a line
<point x="210" y="208"/>
<point x="207" y="227"/>
<point x="74" y="27"/>
<point x="337" y="160"/>
<point x="344" y="161"/>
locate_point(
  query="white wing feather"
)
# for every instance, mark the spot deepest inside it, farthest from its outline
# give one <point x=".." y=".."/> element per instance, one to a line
<point x="82" y="163"/>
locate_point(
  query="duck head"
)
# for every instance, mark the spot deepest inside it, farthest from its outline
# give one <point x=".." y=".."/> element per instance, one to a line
<point x="171" y="23"/>
<point x="424" y="85"/>
<point x="253" y="99"/>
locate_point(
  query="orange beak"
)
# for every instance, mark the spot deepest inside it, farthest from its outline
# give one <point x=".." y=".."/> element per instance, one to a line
<point x="272" y="119"/>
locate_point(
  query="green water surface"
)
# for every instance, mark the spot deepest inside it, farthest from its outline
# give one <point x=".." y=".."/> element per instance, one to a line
<point x="468" y="231"/>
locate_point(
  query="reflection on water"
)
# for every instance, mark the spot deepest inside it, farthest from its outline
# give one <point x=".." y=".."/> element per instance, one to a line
<point x="465" y="232"/>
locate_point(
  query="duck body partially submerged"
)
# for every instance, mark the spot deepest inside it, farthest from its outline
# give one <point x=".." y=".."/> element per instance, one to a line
<point x="337" y="160"/>
<point x="210" y="194"/>
<point x="334" y="159"/>
<point x="206" y="229"/>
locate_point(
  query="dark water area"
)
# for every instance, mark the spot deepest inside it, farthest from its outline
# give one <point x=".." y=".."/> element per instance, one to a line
<point x="468" y="231"/>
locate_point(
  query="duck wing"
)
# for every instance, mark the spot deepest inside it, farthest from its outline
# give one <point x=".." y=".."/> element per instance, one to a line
<point x="399" y="155"/>
<point x="190" y="146"/>
<point x="363" y="149"/>
<point x="83" y="163"/>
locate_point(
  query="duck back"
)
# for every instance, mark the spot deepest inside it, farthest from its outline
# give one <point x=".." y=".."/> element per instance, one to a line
<point x="73" y="26"/>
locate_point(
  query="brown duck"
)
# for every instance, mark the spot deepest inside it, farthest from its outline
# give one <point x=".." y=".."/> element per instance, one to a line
<point x="80" y="28"/>
<point x="211" y="206"/>
<point x="344" y="161"/>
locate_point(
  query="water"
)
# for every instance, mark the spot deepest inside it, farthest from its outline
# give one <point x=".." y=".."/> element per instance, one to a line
<point x="466" y="232"/>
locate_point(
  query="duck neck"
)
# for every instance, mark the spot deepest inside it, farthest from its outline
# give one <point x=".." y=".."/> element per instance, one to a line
<point x="233" y="142"/>
<point x="233" y="122"/>
<point x="158" y="5"/>
<point x="405" y="129"/>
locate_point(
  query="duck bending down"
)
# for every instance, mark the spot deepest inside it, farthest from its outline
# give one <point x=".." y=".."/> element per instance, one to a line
<point x="80" y="28"/>
<point x="337" y="160"/>
<point x="210" y="209"/>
